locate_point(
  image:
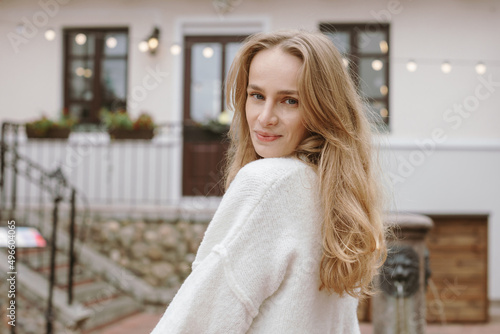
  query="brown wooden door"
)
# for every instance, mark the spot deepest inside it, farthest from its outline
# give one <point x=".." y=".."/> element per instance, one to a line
<point x="206" y="63"/>
<point x="458" y="253"/>
<point x="457" y="290"/>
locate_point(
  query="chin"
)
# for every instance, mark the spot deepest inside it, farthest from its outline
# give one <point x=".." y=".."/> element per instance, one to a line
<point x="270" y="154"/>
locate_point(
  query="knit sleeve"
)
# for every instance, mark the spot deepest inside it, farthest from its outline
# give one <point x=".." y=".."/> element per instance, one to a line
<point x="247" y="265"/>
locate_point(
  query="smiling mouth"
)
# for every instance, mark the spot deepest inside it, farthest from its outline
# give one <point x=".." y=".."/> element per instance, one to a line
<point x="266" y="137"/>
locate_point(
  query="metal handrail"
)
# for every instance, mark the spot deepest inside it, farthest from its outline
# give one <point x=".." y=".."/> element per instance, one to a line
<point x="55" y="184"/>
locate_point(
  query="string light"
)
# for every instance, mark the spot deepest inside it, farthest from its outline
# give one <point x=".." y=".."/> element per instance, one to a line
<point x="384" y="47"/>
<point x="80" y="39"/>
<point x="446" y="67"/>
<point x="175" y="49"/>
<point x="50" y="34"/>
<point x="480" y="68"/>
<point x="111" y="42"/>
<point x="143" y="46"/>
<point x="411" y="66"/>
<point x="80" y="71"/>
<point x="377" y="65"/>
<point x="208" y="52"/>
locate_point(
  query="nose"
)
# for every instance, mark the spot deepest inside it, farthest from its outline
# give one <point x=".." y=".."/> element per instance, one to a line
<point x="268" y="116"/>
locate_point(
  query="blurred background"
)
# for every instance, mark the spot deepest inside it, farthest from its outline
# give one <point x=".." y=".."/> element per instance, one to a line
<point x="113" y="123"/>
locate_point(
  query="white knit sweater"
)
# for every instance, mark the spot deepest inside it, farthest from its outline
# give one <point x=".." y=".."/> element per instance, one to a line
<point x="257" y="268"/>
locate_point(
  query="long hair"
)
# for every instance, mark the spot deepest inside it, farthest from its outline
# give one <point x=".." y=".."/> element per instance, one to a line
<point x="339" y="148"/>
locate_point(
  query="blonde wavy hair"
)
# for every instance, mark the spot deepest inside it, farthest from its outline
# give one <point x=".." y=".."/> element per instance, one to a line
<point x="339" y="148"/>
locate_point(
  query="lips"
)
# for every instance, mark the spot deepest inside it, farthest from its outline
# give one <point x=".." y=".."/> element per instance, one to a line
<point x="266" y="137"/>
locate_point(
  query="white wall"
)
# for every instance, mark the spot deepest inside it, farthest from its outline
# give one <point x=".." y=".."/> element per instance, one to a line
<point x="455" y="177"/>
<point x="429" y="32"/>
<point x="460" y="175"/>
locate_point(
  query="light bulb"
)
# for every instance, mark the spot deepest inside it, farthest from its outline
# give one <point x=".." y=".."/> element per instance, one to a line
<point x="411" y="66"/>
<point x="208" y="52"/>
<point x="446" y="67"/>
<point x="153" y="43"/>
<point x="175" y="49"/>
<point x="80" y="39"/>
<point x="111" y="42"/>
<point x="384" y="47"/>
<point x="480" y="68"/>
<point x="80" y="71"/>
<point x="377" y="65"/>
<point x="143" y="46"/>
<point x="50" y="34"/>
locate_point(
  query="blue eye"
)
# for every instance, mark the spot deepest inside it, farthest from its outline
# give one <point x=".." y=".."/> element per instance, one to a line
<point x="257" y="96"/>
<point x="291" y="101"/>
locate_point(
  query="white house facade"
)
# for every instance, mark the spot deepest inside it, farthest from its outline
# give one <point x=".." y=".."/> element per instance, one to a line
<point x="442" y="148"/>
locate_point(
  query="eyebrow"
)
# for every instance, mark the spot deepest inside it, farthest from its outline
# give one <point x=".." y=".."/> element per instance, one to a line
<point x="281" y="92"/>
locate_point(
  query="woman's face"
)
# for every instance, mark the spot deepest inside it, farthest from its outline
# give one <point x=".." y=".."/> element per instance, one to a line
<point x="273" y="107"/>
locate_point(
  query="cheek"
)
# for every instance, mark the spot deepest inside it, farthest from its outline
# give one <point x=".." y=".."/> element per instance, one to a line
<point x="299" y="130"/>
<point x="252" y="114"/>
<point x="248" y="112"/>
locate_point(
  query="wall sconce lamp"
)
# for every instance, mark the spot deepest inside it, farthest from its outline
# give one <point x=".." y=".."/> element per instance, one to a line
<point x="151" y="43"/>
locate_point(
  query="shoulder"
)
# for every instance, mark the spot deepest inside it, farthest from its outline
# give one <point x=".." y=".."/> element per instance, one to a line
<point x="271" y="169"/>
<point x="265" y="174"/>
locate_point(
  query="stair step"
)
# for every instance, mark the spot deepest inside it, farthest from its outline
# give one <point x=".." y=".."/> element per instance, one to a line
<point x="30" y="251"/>
<point x="110" y="311"/>
<point x="41" y="261"/>
<point x="93" y="292"/>
<point x="80" y="276"/>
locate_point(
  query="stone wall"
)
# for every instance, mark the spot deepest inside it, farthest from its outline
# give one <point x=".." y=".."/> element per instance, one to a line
<point x="158" y="251"/>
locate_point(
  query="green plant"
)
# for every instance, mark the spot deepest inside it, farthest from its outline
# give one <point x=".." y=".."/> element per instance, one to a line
<point x="40" y="127"/>
<point x="65" y="122"/>
<point x="220" y="124"/>
<point x="121" y="120"/>
<point x="144" y="122"/>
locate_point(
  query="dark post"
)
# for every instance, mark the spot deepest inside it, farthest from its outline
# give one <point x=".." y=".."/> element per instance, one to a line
<point x="71" y="247"/>
<point x="14" y="174"/>
<point x="50" y="316"/>
<point x="3" y="148"/>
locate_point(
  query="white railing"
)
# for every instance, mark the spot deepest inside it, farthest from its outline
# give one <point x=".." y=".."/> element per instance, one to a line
<point x="123" y="174"/>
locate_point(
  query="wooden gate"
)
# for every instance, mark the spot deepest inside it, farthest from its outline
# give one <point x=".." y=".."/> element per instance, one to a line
<point x="458" y="289"/>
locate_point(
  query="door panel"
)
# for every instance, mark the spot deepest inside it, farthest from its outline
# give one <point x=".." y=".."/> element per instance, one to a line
<point x="207" y="61"/>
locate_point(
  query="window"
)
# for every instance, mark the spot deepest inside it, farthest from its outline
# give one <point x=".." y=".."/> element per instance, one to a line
<point x="95" y="71"/>
<point x="365" y="48"/>
<point x="206" y="64"/>
<point x="208" y="59"/>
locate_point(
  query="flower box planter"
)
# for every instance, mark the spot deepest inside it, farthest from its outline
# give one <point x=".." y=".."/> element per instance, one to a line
<point x="195" y="133"/>
<point x="54" y="133"/>
<point x="122" y="134"/>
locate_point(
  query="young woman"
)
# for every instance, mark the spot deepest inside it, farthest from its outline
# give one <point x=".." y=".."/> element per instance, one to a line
<point x="298" y="235"/>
